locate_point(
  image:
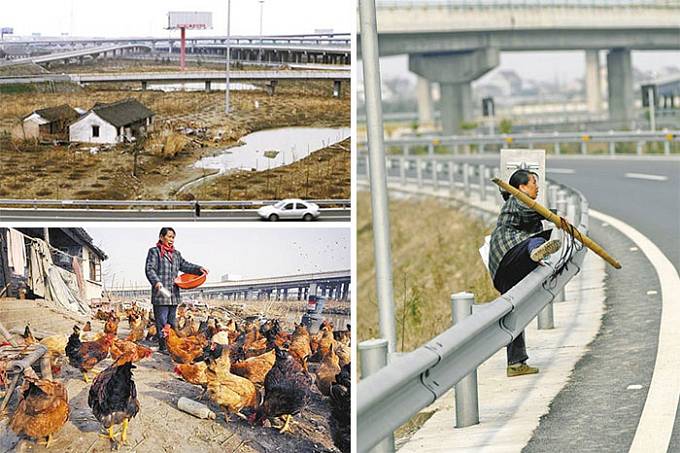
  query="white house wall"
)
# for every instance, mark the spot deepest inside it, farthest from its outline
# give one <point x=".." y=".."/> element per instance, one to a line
<point x="31" y="126"/>
<point x="81" y="130"/>
<point x="93" y="290"/>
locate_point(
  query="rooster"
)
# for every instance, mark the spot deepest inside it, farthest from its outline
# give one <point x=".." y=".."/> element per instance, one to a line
<point x="85" y="356"/>
<point x="113" y="396"/>
<point x="136" y="328"/>
<point x="43" y="409"/>
<point x="286" y="390"/>
<point x="28" y="335"/>
<point x="325" y="375"/>
<point x="299" y="345"/>
<point x="111" y="326"/>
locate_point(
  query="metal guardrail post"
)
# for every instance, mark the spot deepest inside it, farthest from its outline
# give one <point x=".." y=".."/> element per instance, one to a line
<point x="435" y="180"/>
<point x="373" y="356"/>
<point x="455" y="149"/>
<point x="419" y="171"/>
<point x="467" y="399"/>
<point x="612" y="148"/>
<point x="557" y="148"/>
<point x="405" y="150"/>
<point x="482" y="182"/>
<point x="402" y="170"/>
<point x="584" y="147"/>
<point x="667" y="148"/>
<point x="430" y="149"/>
<point x="638" y="148"/>
<point x="466" y="179"/>
<point x="452" y="181"/>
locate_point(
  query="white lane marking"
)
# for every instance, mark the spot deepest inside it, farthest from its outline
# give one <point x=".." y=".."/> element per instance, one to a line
<point x="658" y="416"/>
<point x="564" y="171"/>
<point x="651" y="292"/>
<point x="634" y="387"/>
<point x="647" y="177"/>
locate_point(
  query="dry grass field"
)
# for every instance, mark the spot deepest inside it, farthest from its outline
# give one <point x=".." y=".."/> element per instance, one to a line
<point x="30" y="170"/>
<point x="434" y="253"/>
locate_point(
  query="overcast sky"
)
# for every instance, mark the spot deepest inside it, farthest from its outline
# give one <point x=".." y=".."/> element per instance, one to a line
<point x="252" y="252"/>
<point x="149" y="18"/>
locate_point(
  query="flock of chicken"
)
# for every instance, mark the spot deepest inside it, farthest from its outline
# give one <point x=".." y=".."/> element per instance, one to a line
<point x="256" y="372"/>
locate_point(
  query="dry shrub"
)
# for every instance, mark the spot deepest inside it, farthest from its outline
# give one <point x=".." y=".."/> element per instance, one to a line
<point x="167" y="144"/>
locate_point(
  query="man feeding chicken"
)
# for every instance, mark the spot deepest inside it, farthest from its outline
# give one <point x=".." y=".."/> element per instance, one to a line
<point x="163" y="263"/>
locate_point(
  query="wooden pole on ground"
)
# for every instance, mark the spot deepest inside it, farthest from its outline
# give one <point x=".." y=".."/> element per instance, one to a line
<point x="557" y="220"/>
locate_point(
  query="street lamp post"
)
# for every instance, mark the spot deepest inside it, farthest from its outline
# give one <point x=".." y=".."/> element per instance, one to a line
<point x="226" y="88"/>
<point x="261" y="13"/>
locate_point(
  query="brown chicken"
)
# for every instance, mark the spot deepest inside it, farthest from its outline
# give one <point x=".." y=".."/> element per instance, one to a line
<point x="231" y="392"/>
<point x="151" y="330"/>
<point x="85" y="356"/>
<point x="193" y="373"/>
<point x="344" y="336"/>
<point x="87" y="327"/>
<point x="111" y="326"/>
<point x="137" y="352"/>
<point x="299" y="348"/>
<point x="324" y="343"/>
<point x="325" y="375"/>
<point x="344" y="353"/>
<point x="255" y="369"/>
<point x="183" y="350"/>
<point x="43" y="409"/>
<point x="136" y="329"/>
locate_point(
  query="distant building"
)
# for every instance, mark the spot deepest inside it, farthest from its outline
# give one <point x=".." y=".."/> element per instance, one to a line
<point x="50" y="123"/>
<point x="112" y="123"/>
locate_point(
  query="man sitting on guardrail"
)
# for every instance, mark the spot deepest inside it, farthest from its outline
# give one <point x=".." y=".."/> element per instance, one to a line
<point x="518" y="244"/>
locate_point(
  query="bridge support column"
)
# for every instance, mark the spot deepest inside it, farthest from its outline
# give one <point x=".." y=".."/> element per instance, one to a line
<point x="285" y="294"/>
<point x="345" y="291"/>
<point x="207" y="85"/>
<point x="620" y="81"/>
<point x="593" y="88"/>
<point x="271" y="87"/>
<point x="454" y="72"/>
<point x="425" y="106"/>
<point x="144" y="84"/>
<point x="337" y="85"/>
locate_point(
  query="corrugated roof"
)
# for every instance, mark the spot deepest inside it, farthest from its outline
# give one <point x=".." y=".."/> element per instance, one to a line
<point x="122" y="113"/>
<point x="85" y="239"/>
<point x="60" y="112"/>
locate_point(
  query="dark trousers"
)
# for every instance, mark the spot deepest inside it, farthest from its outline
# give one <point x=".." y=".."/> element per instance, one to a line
<point x="164" y="314"/>
<point x="515" y="265"/>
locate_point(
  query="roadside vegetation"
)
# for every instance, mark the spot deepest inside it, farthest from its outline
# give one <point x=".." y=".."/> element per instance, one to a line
<point x="434" y="254"/>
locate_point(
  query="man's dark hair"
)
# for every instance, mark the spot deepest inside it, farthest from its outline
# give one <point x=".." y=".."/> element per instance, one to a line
<point x="518" y="178"/>
<point x="165" y="230"/>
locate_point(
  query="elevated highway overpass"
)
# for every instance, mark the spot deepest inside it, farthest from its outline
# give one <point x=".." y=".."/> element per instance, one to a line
<point x="335" y="285"/>
<point x="455" y="42"/>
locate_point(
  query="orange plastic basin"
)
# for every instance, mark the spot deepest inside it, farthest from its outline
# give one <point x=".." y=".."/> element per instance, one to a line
<point x="189" y="281"/>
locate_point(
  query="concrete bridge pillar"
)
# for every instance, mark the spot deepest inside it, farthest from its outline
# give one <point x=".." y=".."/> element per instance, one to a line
<point x="425" y="106"/>
<point x="337" y="85"/>
<point x="285" y="294"/>
<point x="207" y="85"/>
<point x="454" y="71"/>
<point x="620" y="81"/>
<point x="593" y="88"/>
<point x="144" y="84"/>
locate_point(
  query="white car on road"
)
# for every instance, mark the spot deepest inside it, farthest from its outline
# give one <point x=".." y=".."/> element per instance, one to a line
<point x="291" y="208"/>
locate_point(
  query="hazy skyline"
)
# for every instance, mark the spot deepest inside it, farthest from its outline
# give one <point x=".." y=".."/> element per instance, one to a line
<point x="134" y="18"/>
<point x="250" y="252"/>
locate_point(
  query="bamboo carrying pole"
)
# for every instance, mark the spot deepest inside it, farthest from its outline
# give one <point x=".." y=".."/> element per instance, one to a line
<point x="557" y="220"/>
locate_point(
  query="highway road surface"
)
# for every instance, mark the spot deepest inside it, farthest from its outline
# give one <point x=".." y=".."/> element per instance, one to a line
<point x="230" y="215"/>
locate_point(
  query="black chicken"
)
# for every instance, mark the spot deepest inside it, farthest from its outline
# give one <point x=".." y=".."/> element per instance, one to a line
<point x="73" y="346"/>
<point x="286" y="390"/>
<point x="341" y="402"/>
<point x="113" y="396"/>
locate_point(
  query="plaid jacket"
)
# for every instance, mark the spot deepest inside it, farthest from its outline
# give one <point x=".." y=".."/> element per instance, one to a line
<point x="164" y="271"/>
<point x="516" y="223"/>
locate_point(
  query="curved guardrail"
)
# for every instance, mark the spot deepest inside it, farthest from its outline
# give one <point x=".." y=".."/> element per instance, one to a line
<point x="411" y="382"/>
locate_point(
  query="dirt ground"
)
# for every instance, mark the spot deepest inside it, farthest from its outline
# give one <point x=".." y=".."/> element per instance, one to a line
<point x="30" y="170"/>
<point x="160" y="426"/>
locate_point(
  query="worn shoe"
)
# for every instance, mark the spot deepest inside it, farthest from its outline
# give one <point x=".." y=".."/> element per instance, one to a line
<point x="519" y="369"/>
<point x="547" y="248"/>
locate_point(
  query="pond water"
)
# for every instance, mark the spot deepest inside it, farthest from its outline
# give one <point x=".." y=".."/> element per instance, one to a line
<point x="273" y="148"/>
